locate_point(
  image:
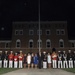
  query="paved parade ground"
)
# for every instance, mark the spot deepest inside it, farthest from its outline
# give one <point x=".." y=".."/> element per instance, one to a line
<point x="39" y="72"/>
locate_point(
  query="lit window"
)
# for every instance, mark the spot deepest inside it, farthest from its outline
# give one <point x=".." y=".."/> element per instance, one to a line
<point x="58" y="31"/>
<point x="62" y="31"/>
<point x="31" y="32"/>
<point x="30" y="43"/>
<point x="18" y="43"/>
<point x="16" y="32"/>
<point x="40" y="43"/>
<point x="21" y="32"/>
<point x="40" y="32"/>
<point x="48" y="32"/>
<point x="61" y="43"/>
<point x="48" y="43"/>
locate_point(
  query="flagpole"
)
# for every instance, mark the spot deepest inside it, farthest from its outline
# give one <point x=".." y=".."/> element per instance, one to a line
<point x="39" y="25"/>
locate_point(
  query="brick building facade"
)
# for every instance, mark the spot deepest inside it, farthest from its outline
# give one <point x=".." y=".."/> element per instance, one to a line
<point x="54" y="34"/>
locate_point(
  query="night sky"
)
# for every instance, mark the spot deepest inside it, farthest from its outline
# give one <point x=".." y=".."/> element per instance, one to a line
<point x="27" y="10"/>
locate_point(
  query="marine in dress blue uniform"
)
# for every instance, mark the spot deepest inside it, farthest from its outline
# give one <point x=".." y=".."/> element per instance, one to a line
<point x="5" y="59"/>
<point x="0" y="59"/>
<point x="70" y="59"/>
<point x="74" y="59"/>
<point x="60" y="65"/>
<point x="65" y="63"/>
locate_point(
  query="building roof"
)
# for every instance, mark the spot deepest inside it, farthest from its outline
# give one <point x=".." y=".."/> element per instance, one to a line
<point x="22" y="22"/>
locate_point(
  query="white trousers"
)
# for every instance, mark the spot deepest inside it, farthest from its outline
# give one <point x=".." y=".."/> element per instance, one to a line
<point x="5" y="63"/>
<point x="65" y="64"/>
<point x="10" y="64"/>
<point x="70" y="64"/>
<point x="20" y="64"/>
<point x="15" y="64"/>
<point x="45" y="65"/>
<point x="54" y="63"/>
<point x="60" y="64"/>
<point x="0" y="63"/>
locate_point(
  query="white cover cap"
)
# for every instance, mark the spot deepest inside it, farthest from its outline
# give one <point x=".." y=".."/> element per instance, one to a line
<point x="11" y="51"/>
<point x="44" y="52"/>
<point x="0" y="51"/>
<point x="59" y="51"/>
<point x="20" y="51"/>
<point x="6" y="51"/>
<point x="63" y="51"/>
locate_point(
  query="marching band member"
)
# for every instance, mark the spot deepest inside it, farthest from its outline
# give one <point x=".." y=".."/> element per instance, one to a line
<point x="70" y="59"/>
<point x="59" y="59"/>
<point x="0" y="59"/>
<point x="49" y="60"/>
<point x="15" y="60"/>
<point x="29" y="60"/>
<point x="5" y="59"/>
<point x="65" y="63"/>
<point x="20" y="56"/>
<point x="11" y="57"/>
<point x="54" y="59"/>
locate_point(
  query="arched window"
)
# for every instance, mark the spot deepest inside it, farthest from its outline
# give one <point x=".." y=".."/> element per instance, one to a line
<point x="40" y="43"/>
<point x="18" y="43"/>
<point x="30" y="43"/>
<point x="48" y="43"/>
<point x="61" y="43"/>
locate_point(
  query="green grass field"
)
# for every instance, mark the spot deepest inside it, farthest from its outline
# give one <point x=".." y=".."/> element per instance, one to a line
<point x="70" y="70"/>
<point x="6" y="70"/>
